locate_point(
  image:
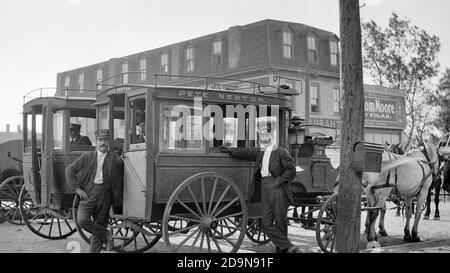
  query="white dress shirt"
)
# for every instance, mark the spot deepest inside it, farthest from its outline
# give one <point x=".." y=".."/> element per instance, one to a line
<point x="99" y="173"/>
<point x="265" y="161"/>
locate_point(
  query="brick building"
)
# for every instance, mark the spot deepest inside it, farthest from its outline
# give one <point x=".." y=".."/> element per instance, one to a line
<point x="267" y="51"/>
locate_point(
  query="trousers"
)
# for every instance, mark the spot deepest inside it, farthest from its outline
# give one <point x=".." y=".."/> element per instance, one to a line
<point x="93" y="215"/>
<point x="275" y="203"/>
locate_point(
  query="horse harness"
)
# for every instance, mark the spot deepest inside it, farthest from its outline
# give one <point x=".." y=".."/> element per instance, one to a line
<point x="428" y="162"/>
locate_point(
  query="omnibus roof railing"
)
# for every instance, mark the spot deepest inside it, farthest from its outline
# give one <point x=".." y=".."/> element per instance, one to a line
<point x="205" y="82"/>
<point x="65" y="93"/>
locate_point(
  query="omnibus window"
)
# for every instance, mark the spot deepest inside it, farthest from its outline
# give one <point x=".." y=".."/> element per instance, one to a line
<point x="137" y="108"/>
<point x="181" y="130"/>
<point x="273" y="121"/>
<point x="86" y="119"/>
<point x="230" y="132"/>
<point x="38" y="130"/>
<point x="57" y="130"/>
<point x="119" y="121"/>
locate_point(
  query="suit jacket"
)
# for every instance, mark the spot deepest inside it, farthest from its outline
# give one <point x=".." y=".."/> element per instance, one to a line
<point x="281" y="167"/>
<point x="81" y="174"/>
<point x="82" y="140"/>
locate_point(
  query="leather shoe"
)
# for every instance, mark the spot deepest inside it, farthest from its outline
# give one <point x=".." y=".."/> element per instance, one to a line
<point x="293" y="249"/>
<point x="109" y="241"/>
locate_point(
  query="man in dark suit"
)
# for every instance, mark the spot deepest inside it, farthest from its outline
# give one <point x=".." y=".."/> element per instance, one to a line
<point x="97" y="177"/>
<point x="76" y="138"/>
<point x="275" y="169"/>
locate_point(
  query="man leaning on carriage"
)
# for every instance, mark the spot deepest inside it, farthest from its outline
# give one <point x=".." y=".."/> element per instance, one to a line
<point x="275" y="171"/>
<point x="97" y="178"/>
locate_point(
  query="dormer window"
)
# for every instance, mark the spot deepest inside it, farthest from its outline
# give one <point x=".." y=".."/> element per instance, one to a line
<point x="334" y="53"/>
<point x="125" y="73"/>
<point x="164" y="68"/>
<point x="217" y="53"/>
<point x="287" y="44"/>
<point x="143" y="69"/>
<point x="189" y="59"/>
<point x="312" y="50"/>
<point x="81" y="82"/>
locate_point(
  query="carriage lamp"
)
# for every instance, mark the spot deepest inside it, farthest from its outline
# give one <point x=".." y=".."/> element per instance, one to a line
<point x="296" y="123"/>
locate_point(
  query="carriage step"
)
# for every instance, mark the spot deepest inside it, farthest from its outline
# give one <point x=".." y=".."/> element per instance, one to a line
<point x="370" y="208"/>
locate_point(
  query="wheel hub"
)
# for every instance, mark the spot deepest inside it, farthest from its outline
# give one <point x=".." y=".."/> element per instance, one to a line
<point x="207" y="222"/>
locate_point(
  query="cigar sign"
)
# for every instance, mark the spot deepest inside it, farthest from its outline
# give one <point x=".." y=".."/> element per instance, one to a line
<point x="384" y="110"/>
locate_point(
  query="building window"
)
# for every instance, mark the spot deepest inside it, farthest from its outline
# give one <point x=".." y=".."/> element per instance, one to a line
<point x="217" y="53"/>
<point x="67" y="82"/>
<point x="287" y="44"/>
<point x="189" y="59"/>
<point x="336" y="100"/>
<point x="314" y="98"/>
<point x="125" y="76"/>
<point x="99" y="78"/>
<point x="143" y="69"/>
<point x="312" y="50"/>
<point x="164" y="63"/>
<point x="81" y="82"/>
<point x="333" y="53"/>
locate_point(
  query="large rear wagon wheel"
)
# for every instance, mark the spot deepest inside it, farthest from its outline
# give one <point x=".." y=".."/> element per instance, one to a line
<point x="53" y="224"/>
<point x="326" y="225"/>
<point x="210" y="203"/>
<point x="9" y="202"/>
<point x="128" y="235"/>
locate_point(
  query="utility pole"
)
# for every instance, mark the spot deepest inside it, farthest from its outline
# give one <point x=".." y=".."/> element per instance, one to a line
<point x="349" y="196"/>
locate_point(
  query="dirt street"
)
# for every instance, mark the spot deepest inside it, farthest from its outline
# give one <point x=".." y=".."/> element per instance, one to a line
<point x="435" y="234"/>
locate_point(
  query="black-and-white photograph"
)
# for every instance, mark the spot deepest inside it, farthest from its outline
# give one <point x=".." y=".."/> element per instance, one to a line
<point x="240" y="126"/>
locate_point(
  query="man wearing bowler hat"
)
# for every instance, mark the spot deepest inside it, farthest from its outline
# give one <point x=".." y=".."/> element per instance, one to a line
<point x="76" y="138"/>
<point x="97" y="179"/>
<point x="275" y="169"/>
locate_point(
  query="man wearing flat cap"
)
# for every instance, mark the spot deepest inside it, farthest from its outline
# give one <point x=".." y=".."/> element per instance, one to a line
<point x="274" y="171"/>
<point x="76" y="138"/>
<point x="97" y="177"/>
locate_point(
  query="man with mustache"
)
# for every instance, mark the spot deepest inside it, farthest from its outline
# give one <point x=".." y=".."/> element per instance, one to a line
<point x="97" y="177"/>
<point x="275" y="169"/>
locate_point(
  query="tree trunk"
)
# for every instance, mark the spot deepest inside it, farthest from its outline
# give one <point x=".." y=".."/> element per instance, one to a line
<point x="349" y="198"/>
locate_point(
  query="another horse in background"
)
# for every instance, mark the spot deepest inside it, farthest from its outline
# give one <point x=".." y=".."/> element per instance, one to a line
<point x="411" y="175"/>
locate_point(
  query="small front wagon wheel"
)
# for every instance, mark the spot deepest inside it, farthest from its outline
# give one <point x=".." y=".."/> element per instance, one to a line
<point x="326" y="225"/>
<point x="209" y="203"/>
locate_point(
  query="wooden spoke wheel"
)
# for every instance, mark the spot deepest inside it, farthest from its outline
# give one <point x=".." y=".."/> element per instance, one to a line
<point x="53" y="224"/>
<point x="207" y="202"/>
<point x="9" y="200"/>
<point x="227" y="227"/>
<point x="326" y="224"/>
<point x="255" y="232"/>
<point x="128" y="235"/>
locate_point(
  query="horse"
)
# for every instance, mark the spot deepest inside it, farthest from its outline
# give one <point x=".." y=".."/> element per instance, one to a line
<point x="398" y="150"/>
<point x="411" y="175"/>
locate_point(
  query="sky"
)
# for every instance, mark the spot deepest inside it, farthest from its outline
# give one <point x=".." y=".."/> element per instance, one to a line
<point x="40" y="38"/>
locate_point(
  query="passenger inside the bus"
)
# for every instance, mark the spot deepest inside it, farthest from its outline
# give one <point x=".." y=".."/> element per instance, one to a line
<point x="76" y="138"/>
<point x="140" y="138"/>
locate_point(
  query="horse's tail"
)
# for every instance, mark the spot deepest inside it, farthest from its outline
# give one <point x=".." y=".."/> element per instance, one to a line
<point x="386" y="166"/>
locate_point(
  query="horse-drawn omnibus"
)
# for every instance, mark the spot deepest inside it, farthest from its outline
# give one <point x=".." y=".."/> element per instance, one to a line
<point x="177" y="183"/>
<point x="45" y="200"/>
